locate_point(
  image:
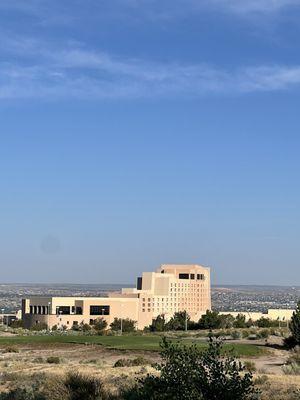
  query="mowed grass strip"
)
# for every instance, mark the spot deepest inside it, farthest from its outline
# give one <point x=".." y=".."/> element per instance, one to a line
<point x="125" y="342"/>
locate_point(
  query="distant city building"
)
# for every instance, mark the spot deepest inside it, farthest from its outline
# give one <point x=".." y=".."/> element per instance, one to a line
<point x="170" y="289"/>
<point x="7" y="319"/>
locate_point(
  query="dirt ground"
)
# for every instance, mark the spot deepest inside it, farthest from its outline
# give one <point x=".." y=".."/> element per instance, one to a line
<point x="90" y="359"/>
<point x="20" y="360"/>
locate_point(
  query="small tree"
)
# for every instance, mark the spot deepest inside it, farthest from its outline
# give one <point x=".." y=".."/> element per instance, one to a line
<point x="178" y="321"/>
<point x="264" y="322"/>
<point x="210" y="320"/>
<point x="226" y="321"/>
<point x="240" y="321"/>
<point x="158" y="324"/>
<point x="128" y="325"/>
<point x="100" y="325"/>
<point x="295" y="326"/>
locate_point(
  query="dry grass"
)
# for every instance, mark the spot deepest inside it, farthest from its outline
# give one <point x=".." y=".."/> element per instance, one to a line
<point x="30" y="362"/>
<point x="280" y="387"/>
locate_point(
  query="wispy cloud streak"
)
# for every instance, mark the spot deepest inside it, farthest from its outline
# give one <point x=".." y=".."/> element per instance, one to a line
<point x="250" y="6"/>
<point x="56" y="11"/>
<point x="76" y="72"/>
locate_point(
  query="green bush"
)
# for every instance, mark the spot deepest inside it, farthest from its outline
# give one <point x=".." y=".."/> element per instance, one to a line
<point x="81" y="387"/>
<point x="85" y="327"/>
<point x="263" y="322"/>
<point x="187" y="373"/>
<point x="240" y="321"/>
<point x="74" y="386"/>
<point x="158" y="324"/>
<point x="294" y="339"/>
<point x="178" y="322"/>
<point x="11" y="349"/>
<point x="236" y="335"/>
<point x="226" y="321"/>
<point x="41" y="326"/>
<point x="264" y="333"/>
<point x="210" y="320"/>
<point x="53" y="360"/>
<point x="128" y="325"/>
<point x="245" y="333"/>
<point x="127" y="362"/>
<point x="100" y="325"/>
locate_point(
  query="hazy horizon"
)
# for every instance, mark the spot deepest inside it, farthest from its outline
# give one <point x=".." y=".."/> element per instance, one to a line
<point x="138" y="133"/>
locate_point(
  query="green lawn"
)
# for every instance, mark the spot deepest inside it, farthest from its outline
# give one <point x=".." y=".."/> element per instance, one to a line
<point x="125" y="342"/>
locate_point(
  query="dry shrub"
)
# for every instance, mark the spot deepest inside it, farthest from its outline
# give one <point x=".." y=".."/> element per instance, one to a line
<point x="55" y="389"/>
<point x="128" y="362"/>
<point x="11" y="349"/>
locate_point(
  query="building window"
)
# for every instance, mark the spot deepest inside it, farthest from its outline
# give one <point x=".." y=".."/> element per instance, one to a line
<point x="139" y="283"/>
<point x="200" y="277"/>
<point x="184" y="276"/>
<point x="99" y="310"/>
<point x="64" y="310"/>
<point x="192" y="276"/>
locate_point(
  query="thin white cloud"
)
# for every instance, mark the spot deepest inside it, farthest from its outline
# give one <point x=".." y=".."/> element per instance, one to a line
<point x="250" y="6"/>
<point x="75" y="72"/>
<point x="58" y="12"/>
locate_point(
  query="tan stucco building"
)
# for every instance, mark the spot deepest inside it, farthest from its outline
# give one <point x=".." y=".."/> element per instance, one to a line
<point x="170" y="289"/>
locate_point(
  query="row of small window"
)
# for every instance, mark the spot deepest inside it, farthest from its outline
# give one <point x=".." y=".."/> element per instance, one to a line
<point x="200" y="277"/>
<point x="75" y="323"/>
<point x="187" y="286"/>
<point x="67" y="310"/>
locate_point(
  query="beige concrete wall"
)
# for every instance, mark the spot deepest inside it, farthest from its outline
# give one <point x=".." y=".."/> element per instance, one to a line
<point x="119" y="308"/>
<point x="254" y="316"/>
<point x="282" y="315"/>
<point x="273" y="314"/>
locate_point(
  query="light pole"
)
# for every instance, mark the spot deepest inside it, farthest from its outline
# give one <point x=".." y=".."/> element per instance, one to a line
<point x="49" y="315"/>
<point x="61" y="325"/>
<point x="121" y="323"/>
<point x="186" y="321"/>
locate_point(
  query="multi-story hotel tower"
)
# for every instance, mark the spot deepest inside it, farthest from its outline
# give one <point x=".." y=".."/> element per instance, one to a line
<point x="170" y="289"/>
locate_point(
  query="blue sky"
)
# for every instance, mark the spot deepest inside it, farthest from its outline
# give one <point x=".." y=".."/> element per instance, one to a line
<point x="135" y="133"/>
